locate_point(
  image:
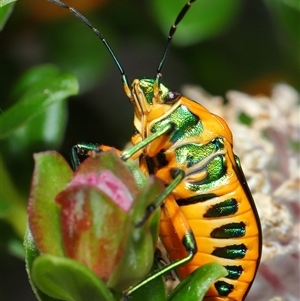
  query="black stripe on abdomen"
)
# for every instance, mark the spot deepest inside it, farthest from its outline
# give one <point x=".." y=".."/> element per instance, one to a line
<point x="195" y="199"/>
<point x="231" y="230"/>
<point x="231" y="251"/>
<point x="234" y="271"/>
<point x="223" y="288"/>
<point x="224" y="208"/>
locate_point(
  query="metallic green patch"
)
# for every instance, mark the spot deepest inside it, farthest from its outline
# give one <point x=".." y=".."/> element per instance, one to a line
<point x="223" y="288"/>
<point x="216" y="170"/>
<point x="231" y="230"/>
<point x="231" y="252"/>
<point x="225" y="208"/>
<point x="193" y="153"/>
<point x="234" y="271"/>
<point x="147" y="84"/>
<point x="187" y="124"/>
<point x="189" y="242"/>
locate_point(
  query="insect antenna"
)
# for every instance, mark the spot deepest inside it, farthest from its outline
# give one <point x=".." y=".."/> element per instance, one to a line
<point x="101" y="37"/>
<point x="172" y="31"/>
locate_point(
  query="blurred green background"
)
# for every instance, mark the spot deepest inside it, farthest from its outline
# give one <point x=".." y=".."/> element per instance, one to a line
<point x="220" y="45"/>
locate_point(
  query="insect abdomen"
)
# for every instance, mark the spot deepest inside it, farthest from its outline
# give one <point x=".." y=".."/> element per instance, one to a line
<point x="232" y="239"/>
<point x="217" y="204"/>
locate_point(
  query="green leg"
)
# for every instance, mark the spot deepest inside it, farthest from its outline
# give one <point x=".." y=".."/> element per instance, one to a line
<point x="82" y="149"/>
<point x="188" y="242"/>
<point x="177" y="175"/>
<point x="169" y="128"/>
<point x="160" y="272"/>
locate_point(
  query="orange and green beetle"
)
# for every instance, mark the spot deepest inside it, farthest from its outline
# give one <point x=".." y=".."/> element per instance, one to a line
<point x="208" y="214"/>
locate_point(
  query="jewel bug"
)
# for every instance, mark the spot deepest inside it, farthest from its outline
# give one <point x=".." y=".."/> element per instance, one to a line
<point x="208" y="213"/>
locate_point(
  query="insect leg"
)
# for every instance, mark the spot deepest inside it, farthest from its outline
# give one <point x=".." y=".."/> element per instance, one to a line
<point x="84" y="149"/>
<point x="185" y="237"/>
<point x="88" y="150"/>
<point x="92" y="149"/>
<point x="169" y="128"/>
<point x="178" y="175"/>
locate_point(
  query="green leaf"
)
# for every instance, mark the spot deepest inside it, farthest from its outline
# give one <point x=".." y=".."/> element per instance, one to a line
<point x="31" y="253"/>
<point x="15" y="247"/>
<point x="6" y="2"/>
<point x="213" y="17"/>
<point x="9" y="198"/>
<point x="6" y="8"/>
<point x="67" y="279"/>
<point x="50" y="89"/>
<point x="287" y="14"/>
<point x="42" y="132"/>
<point x="10" y="241"/>
<point x="11" y="202"/>
<point x="51" y="175"/>
<point x="157" y="288"/>
<point x="32" y="77"/>
<point x="194" y="287"/>
<point x="139" y="176"/>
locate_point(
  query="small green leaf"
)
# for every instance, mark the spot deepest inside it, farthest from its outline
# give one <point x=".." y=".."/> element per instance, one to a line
<point x="10" y="241"/>
<point x="69" y="280"/>
<point x="32" y="77"/>
<point x="294" y="145"/>
<point x="39" y="132"/>
<point x="42" y="132"/>
<point x="51" y="175"/>
<point x="195" y="286"/>
<point x="6" y="8"/>
<point x="6" y="2"/>
<point x="44" y="93"/>
<point x="213" y="17"/>
<point x="11" y="202"/>
<point x="15" y="247"/>
<point x="245" y="119"/>
<point x="31" y="253"/>
<point x="287" y="14"/>
<point x="139" y="176"/>
<point x="156" y="286"/>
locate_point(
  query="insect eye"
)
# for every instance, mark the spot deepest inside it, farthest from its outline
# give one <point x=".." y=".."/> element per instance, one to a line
<point x="172" y="97"/>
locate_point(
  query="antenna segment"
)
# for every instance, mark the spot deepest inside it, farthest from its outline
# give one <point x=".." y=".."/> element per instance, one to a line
<point x="98" y="34"/>
<point x="171" y="34"/>
<point x="172" y="31"/>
